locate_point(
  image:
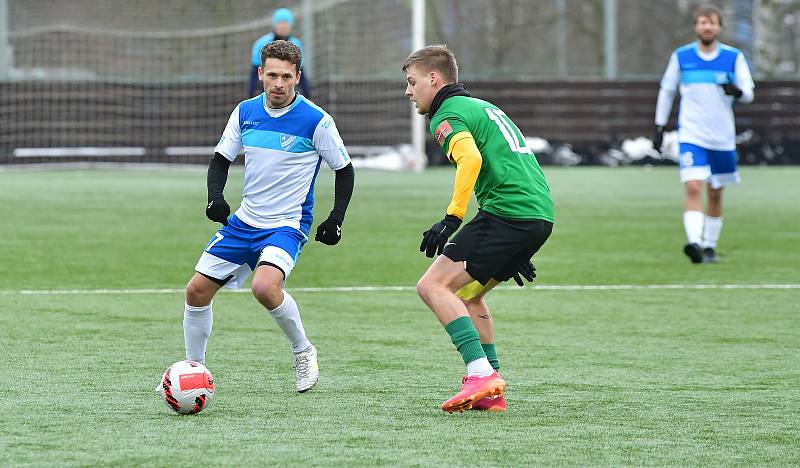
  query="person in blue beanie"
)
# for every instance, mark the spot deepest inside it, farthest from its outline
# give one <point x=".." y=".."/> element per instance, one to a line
<point x="282" y="24"/>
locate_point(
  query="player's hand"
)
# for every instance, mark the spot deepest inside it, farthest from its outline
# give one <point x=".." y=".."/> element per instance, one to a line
<point x="658" y="137"/>
<point x="433" y="239"/>
<point x="527" y="271"/>
<point x="329" y="232"/>
<point x="732" y="90"/>
<point x="218" y="210"/>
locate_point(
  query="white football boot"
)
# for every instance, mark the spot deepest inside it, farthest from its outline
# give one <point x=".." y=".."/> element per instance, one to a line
<point x="306" y="369"/>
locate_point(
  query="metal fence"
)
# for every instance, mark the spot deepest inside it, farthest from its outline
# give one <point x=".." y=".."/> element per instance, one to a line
<point x="156" y="75"/>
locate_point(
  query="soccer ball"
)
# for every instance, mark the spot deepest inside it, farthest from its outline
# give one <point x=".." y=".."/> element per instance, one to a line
<point x="187" y="387"/>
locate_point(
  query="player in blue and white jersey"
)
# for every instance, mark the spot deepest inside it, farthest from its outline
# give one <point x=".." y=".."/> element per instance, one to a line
<point x="282" y="24"/>
<point x="711" y="76"/>
<point x="285" y="138"/>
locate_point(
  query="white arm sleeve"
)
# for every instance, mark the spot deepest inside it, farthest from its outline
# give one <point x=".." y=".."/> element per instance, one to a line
<point x="231" y="142"/>
<point x="669" y="85"/>
<point x="744" y="80"/>
<point x="672" y="75"/>
<point x="664" y="105"/>
<point x="329" y="144"/>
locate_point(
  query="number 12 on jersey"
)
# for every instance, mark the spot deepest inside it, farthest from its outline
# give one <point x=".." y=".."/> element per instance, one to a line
<point x="510" y="131"/>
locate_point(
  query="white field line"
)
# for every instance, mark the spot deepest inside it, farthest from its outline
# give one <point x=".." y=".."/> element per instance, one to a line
<point x="552" y="287"/>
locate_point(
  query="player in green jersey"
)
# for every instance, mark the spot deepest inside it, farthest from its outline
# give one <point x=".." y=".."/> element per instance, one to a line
<point x="514" y="220"/>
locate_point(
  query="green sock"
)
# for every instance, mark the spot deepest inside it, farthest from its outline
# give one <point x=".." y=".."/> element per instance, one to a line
<point x="464" y="335"/>
<point x="491" y="355"/>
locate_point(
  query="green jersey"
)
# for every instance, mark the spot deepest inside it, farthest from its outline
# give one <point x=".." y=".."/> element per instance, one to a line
<point x="510" y="183"/>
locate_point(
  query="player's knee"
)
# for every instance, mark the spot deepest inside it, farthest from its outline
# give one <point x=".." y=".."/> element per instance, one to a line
<point x="694" y="189"/>
<point x="424" y="287"/>
<point x="197" y="295"/>
<point x="268" y="293"/>
<point x="427" y="288"/>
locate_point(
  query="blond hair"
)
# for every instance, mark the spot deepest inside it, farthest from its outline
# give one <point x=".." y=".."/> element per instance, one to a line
<point x="434" y="58"/>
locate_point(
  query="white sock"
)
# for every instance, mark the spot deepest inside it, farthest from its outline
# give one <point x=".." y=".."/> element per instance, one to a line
<point x="197" y="322"/>
<point x="287" y="316"/>
<point x="480" y="367"/>
<point x="693" y="224"/>
<point x="711" y="229"/>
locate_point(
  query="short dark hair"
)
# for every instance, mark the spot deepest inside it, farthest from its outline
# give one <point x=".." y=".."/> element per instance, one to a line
<point x="708" y="10"/>
<point x="434" y="58"/>
<point x="282" y="50"/>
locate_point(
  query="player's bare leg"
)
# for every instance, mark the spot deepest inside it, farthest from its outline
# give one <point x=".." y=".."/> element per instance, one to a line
<point x="437" y="288"/>
<point x="198" y="317"/>
<point x="481" y="317"/>
<point x="267" y="286"/>
<point x="712" y="224"/>
<point x="201" y="290"/>
<point x="693" y="220"/>
<point x="268" y="289"/>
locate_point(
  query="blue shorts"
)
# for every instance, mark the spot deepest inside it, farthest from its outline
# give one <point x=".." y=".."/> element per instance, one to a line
<point x="236" y="250"/>
<point x="716" y="167"/>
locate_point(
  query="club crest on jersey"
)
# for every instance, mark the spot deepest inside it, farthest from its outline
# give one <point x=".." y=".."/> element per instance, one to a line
<point x="442" y="131"/>
<point x="287" y="141"/>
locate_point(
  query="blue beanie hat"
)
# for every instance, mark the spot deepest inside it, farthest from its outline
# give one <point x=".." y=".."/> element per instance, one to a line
<point x="283" y="14"/>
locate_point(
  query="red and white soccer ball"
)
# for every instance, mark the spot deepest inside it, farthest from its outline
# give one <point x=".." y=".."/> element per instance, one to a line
<point x="187" y="387"/>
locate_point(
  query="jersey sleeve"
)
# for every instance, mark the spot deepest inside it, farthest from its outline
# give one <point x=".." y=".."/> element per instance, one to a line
<point x="672" y="75"/>
<point x="447" y="128"/>
<point x="231" y="142"/>
<point x="468" y="165"/>
<point x="743" y="79"/>
<point x="329" y="144"/>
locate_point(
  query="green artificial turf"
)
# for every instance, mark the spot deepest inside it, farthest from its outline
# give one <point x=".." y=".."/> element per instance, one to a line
<point x="596" y="377"/>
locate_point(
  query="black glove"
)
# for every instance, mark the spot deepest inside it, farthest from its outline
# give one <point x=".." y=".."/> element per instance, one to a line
<point x="218" y="210"/>
<point x="732" y="90"/>
<point x="528" y="271"/>
<point x="658" y="137"/>
<point x="329" y="232"/>
<point x="433" y="239"/>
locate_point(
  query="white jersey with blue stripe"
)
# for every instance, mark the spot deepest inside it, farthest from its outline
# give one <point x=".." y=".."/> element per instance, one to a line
<point x="705" y="116"/>
<point x="283" y="150"/>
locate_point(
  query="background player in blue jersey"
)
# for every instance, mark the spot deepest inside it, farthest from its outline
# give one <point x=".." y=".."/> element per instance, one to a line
<point x="711" y="77"/>
<point x="282" y="24"/>
<point x="285" y="138"/>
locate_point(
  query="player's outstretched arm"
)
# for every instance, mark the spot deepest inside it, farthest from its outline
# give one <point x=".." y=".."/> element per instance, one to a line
<point x="468" y="161"/>
<point x="330" y="231"/>
<point x="218" y="209"/>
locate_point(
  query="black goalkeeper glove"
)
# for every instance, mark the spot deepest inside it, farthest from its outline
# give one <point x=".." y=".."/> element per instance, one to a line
<point x="732" y="90"/>
<point x="329" y="232"/>
<point x="527" y="271"/>
<point x="433" y="239"/>
<point x="218" y="210"/>
<point x="658" y="137"/>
